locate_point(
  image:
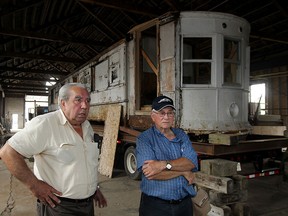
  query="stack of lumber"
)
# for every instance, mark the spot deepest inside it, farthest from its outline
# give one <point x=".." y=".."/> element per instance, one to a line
<point x="227" y="190"/>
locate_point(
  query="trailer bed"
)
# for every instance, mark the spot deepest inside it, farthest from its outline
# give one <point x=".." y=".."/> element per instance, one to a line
<point x="253" y="145"/>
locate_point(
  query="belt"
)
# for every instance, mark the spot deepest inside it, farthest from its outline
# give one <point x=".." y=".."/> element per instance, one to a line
<point x="89" y="199"/>
<point x="168" y="201"/>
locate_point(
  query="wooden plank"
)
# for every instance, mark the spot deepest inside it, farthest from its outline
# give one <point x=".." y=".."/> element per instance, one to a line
<point x="240" y="182"/>
<point x="149" y="62"/>
<point x="226" y="139"/>
<point x="219" y="167"/>
<point x="109" y="140"/>
<point x="219" y="199"/>
<point x="130" y="131"/>
<point x="269" y="118"/>
<point x="99" y="129"/>
<point x="98" y="113"/>
<point x="269" y="130"/>
<point x="140" y="121"/>
<point x="219" y="184"/>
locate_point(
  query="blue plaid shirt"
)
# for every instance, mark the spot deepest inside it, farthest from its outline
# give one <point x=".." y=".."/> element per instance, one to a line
<point x="153" y="145"/>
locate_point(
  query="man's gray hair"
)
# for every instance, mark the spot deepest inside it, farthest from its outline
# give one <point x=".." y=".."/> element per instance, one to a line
<point x="64" y="92"/>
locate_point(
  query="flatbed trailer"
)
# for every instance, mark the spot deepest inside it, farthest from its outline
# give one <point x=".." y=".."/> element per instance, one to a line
<point x="255" y="150"/>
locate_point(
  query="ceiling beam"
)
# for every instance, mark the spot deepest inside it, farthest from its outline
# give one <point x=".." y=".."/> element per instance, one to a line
<point x="277" y="40"/>
<point x="267" y="62"/>
<point x="13" y="85"/>
<point x="26" y="78"/>
<point x="25" y="88"/>
<point x="53" y="38"/>
<point x="282" y="7"/>
<point x="91" y="13"/>
<point x="173" y="5"/>
<point x="269" y="75"/>
<point x="42" y="57"/>
<point x="21" y="94"/>
<point x="28" y="70"/>
<point x="25" y="92"/>
<point x="120" y="5"/>
<point x="15" y="8"/>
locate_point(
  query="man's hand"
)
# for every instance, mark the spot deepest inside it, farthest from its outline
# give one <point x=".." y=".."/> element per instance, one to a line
<point x="17" y="166"/>
<point x="45" y="193"/>
<point x="100" y="200"/>
<point x="190" y="176"/>
<point x="153" y="167"/>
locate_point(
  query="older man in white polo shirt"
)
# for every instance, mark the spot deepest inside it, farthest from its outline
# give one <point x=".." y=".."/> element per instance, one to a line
<point x="66" y="157"/>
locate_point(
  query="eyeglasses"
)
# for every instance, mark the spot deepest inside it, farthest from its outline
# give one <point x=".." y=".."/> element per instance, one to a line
<point x="162" y="114"/>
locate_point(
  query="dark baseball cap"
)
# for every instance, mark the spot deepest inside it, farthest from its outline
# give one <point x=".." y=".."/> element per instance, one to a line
<point x="161" y="102"/>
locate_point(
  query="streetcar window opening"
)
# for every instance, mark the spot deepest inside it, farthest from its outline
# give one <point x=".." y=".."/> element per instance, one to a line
<point x="196" y="60"/>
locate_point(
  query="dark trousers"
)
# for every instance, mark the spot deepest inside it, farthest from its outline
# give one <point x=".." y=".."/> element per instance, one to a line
<point x="67" y="209"/>
<point x="152" y="206"/>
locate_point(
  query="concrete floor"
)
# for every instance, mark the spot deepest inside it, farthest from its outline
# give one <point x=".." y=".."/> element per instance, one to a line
<point x="268" y="196"/>
<point x="122" y="194"/>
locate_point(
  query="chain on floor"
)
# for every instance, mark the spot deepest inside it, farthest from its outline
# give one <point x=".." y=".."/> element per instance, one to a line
<point x="10" y="201"/>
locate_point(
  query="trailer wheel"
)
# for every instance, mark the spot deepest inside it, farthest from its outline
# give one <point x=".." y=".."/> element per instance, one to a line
<point x="130" y="163"/>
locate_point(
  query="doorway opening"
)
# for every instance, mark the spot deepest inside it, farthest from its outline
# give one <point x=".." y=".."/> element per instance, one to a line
<point x="35" y="105"/>
<point x="147" y="65"/>
<point x="257" y="102"/>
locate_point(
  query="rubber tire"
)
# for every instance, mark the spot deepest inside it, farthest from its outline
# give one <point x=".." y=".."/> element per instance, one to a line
<point x="130" y="164"/>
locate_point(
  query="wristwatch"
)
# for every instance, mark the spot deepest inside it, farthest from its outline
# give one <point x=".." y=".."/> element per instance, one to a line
<point x="168" y="165"/>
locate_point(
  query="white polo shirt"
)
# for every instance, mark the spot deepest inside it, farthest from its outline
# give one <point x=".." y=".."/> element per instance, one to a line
<point x="62" y="158"/>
